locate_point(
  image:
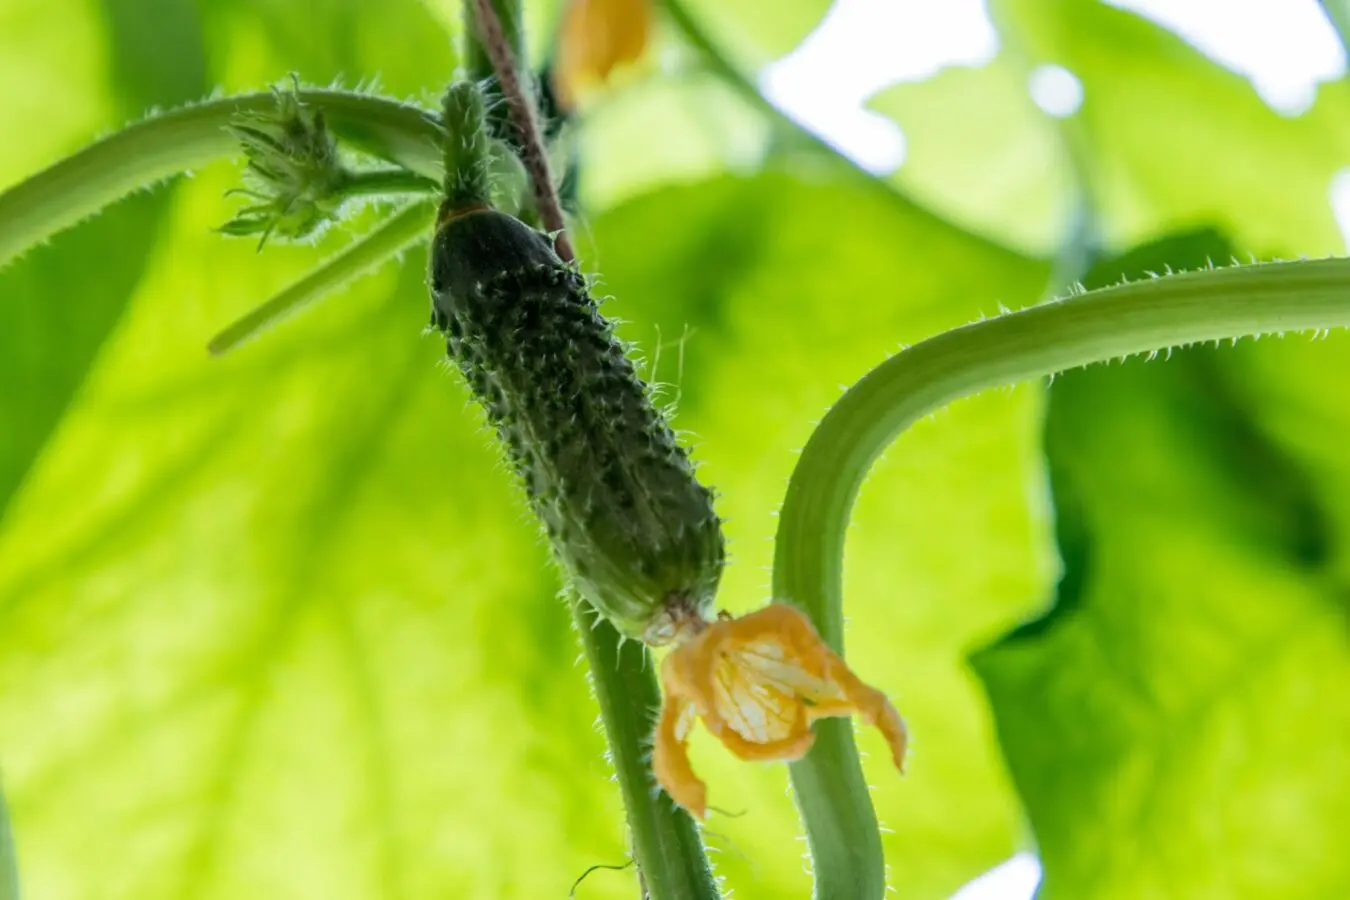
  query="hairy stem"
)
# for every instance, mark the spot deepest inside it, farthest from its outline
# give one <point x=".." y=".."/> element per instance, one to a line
<point x="520" y="102"/>
<point x="185" y="139"/>
<point x="666" y="842"/>
<point x="405" y="228"/>
<point x="387" y="182"/>
<point x="1095" y="327"/>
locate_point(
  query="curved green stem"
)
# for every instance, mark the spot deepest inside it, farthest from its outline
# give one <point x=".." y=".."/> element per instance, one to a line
<point x="666" y="842"/>
<point x="1113" y="322"/>
<point x="407" y="227"/>
<point x="189" y="138"/>
<point x="9" y="864"/>
<point x="387" y="182"/>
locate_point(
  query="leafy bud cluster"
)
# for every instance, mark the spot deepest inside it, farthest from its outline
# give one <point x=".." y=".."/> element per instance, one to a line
<point x="294" y="172"/>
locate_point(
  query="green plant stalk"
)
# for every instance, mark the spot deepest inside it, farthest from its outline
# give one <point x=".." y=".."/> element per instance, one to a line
<point x="1128" y="319"/>
<point x="404" y="229"/>
<point x="9" y="864"/>
<point x="666" y="842"/>
<point x="386" y="183"/>
<point x="184" y="139"/>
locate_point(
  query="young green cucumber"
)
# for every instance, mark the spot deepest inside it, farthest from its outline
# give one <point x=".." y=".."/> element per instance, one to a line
<point x="617" y="494"/>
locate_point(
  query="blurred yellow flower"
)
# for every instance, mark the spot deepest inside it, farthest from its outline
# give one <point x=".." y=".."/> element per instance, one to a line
<point x="596" y="37"/>
<point x="757" y="682"/>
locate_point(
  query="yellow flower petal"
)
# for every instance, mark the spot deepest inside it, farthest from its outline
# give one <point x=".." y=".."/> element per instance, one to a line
<point x="670" y="758"/>
<point x="595" y="38"/>
<point x="758" y="682"/>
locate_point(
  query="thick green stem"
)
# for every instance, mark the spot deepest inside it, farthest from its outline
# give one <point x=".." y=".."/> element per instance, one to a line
<point x="189" y="138"/>
<point x="666" y="842"/>
<point x="386" y="183"/>
<point x="9" y="864"/>
<point x="808" y="560"/>
<point x="410" y="225"/>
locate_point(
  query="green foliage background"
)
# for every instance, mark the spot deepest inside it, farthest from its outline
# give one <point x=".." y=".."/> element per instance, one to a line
<point x="278" y="625"/>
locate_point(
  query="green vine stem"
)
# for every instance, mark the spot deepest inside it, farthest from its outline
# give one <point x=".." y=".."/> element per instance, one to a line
<point x="9" y="864"/>
<point x="1128" y="319"/>
<point x="191" y="137"/>
<point x="405" y="228"/>
<point x="666" y="842"/>
<point x="387" y="182"/>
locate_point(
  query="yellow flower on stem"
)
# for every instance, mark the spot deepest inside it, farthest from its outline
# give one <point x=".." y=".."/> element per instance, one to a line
<point x="595" y="38"/>
<point x="757" y="682"/>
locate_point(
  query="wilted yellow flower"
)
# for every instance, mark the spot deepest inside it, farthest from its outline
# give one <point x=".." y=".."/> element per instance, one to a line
<point x="596" y="37"/>
<point x="757" y="682"/>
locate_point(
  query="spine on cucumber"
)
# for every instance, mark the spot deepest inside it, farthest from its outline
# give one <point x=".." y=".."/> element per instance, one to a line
<point x="616" y="492"/>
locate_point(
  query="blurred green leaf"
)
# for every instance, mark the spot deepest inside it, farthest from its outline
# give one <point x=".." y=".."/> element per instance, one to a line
<point x="1021" y="194"/>
<point x="64" y="299"/>
<point x="689" y="129"/>
<point x="1175" y="727"/>
<point x="1173" y="141"/>
<point x="757" y="33"/>
<point x="1172" y="722"/>
<point x="401" y="49"/>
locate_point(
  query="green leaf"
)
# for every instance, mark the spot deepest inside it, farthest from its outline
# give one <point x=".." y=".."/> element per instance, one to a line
<point x="1021" y="194"/>
<point x="757" y="33"/>
<point x="230" y="664"/>
<point x="64" y="299"/>
<point x="690" y="129"/>
<point x="1171" y="722"/>
<point x="399" y="48"/>
<point x="1172" y="141"/>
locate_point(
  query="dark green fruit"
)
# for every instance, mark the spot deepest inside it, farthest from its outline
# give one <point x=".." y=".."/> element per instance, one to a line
<point x="616" y="493"/>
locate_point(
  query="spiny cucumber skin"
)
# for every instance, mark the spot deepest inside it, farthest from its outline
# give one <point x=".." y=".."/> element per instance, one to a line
<point x="615" y="491"/>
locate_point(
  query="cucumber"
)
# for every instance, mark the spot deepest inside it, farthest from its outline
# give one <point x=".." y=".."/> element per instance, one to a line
<point x="628" y="519"/>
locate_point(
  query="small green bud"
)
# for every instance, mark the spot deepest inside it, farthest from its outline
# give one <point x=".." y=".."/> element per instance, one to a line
<point x="616" y="493"/>
<point x="294" y="171"/>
